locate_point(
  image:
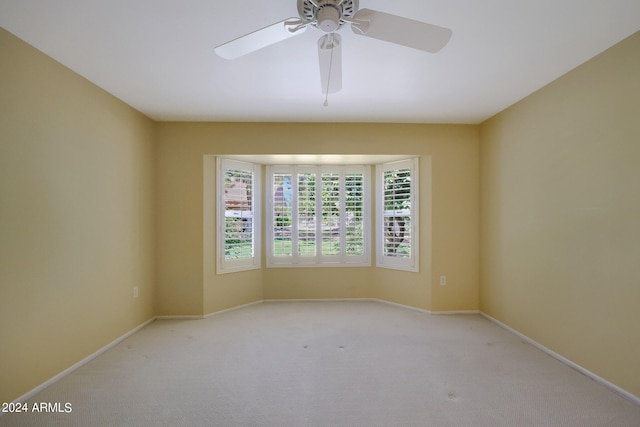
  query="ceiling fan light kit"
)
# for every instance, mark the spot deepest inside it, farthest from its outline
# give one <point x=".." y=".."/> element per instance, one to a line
<point x="329" y="16"/>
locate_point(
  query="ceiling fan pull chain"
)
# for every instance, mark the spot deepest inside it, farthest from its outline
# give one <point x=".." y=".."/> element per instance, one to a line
<point x="326" y="97"/>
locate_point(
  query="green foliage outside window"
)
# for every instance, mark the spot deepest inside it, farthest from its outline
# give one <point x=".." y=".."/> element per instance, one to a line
<point x="397" y="202"/>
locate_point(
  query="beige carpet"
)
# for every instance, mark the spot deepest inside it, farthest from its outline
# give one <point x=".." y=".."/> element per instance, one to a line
<point x="356" y="363"/>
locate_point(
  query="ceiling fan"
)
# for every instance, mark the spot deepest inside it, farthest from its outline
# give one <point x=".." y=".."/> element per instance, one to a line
<point x="329" y="16"/>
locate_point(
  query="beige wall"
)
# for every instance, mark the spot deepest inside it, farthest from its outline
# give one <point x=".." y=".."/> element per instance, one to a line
<point x="560" y="216"/>
<point x="76" y="191"/>
<point x="187" y="283"/>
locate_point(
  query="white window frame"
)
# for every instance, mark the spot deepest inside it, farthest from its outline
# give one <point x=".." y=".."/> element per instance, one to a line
<point x="295" y="260"/>
<point x="410" y="263"/>
<point x="224" y="265"/>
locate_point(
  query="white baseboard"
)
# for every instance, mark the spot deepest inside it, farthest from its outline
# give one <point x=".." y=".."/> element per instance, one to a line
<point x="205" y="316"/>
<point x="317" y="299"/>
<point x="446" y="313"/>
<point x="82" y="362"/>
<point x="619" y="390"/>
<point x="180" y="317"/>
<point x="238" y="307"/>
<point x="421" y="310"/>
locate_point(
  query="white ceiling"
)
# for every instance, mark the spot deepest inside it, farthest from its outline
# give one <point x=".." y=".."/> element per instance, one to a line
<point x="157" y="56"/>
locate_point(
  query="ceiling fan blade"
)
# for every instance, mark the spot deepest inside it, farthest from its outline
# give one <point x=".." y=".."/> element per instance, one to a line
<point x="399" y="30"/>
<point x="330" y="56"/>
<point x="256" y="40"/>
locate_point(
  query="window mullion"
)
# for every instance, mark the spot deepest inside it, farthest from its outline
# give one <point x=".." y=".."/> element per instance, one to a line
<point x="342" y="201"/>
<point x="294" y="215"/>
<point x="319" y="213"/>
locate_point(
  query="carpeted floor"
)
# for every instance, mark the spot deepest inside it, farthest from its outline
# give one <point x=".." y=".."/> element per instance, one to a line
<point x="343" y="363"/>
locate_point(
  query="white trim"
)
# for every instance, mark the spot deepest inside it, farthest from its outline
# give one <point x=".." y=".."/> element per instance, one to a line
<point x="179" y="317"/>
<point x="81" y="363"/>
<point x="422" y="310"/>
<point x="318" y="300"/>
<point x="449" y="312"/>
<point x="226" y="310"/>
<point x="206" y="316"/>
<point x="588" y="373"/>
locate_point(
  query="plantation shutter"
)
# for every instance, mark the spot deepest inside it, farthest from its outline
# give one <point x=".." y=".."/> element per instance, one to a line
<point x="397" y="216"/>
<point x="237" y="189"/>
<point x="318" y="216"/>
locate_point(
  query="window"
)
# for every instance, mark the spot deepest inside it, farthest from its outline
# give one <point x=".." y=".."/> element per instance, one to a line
<point x="238" y="222"/>
<point x="318" y="216"/>
<point x="397" y="215"/>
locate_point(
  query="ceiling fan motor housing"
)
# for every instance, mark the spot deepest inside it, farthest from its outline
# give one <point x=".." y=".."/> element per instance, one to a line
<point x="328" y="18"/>
<point x="327" y="14"/>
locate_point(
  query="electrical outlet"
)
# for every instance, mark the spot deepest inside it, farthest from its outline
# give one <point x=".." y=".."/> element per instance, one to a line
<point x="135" y="292"/>
<point x="443" y="280"/>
